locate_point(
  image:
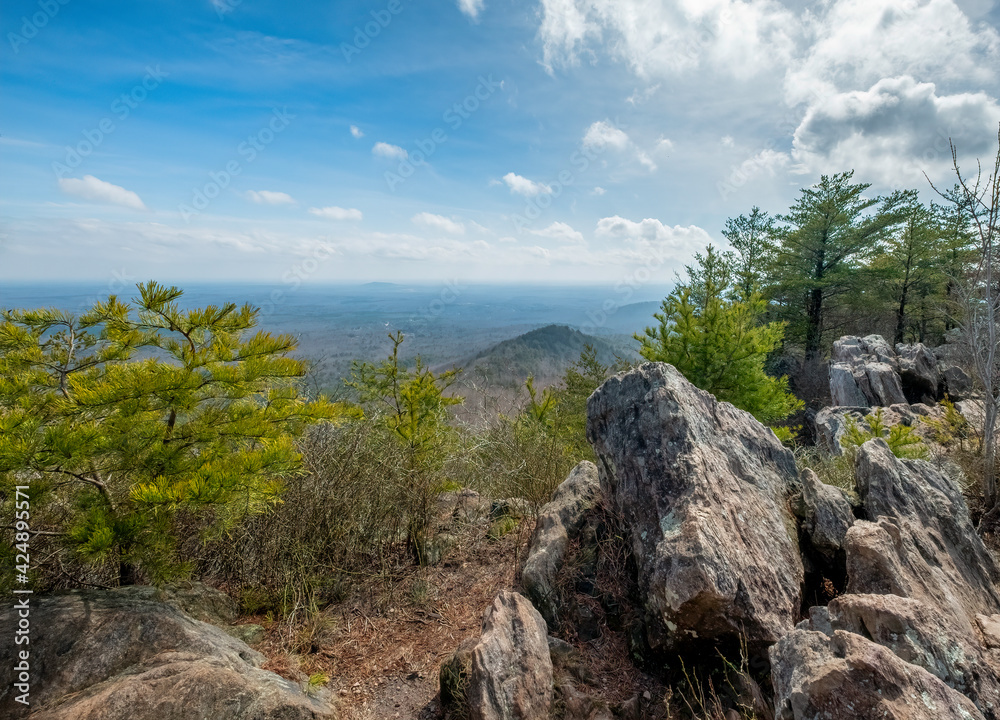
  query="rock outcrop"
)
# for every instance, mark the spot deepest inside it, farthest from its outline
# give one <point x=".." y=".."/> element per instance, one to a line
<point x="864" y="372"/>
<point x="924" y="546"/>
<point x="558" y="522"/>
<point x="703" y="489"/>
<point x="826" y="516"/>
<point x="511" y="671"/>
<point x="844" y="675"/>
<point x="124" y="655"/>
<point x="868" y="372"/>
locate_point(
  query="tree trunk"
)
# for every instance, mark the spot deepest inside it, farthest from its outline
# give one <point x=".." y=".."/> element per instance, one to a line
<point x="901" y="318"/>
<point x="814" y="329"/>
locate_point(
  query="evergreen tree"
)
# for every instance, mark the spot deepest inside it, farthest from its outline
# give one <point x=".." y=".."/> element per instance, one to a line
<point x="413" y="405"/>
<point x="752" y="239"/>
<point x="831" y="233"/>
<point x="908" y="268"/>
<point x="125" y="416"/>
<point x="718" y="342"/>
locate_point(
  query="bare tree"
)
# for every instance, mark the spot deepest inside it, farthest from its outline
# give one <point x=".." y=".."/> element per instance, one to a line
<point x="980" y="326"/>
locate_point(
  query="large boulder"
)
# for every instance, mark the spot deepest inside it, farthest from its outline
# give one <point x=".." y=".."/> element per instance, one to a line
<point x="826" y="515"/>
<point x="918" y="372"/>
<point x="703" y="489"/>
<point x="558" y="522"/>
<point x="923" y="636"/>
<point x="844" y="675"/>
<point x="511" y="671"/>
<point x="125" y="655"/>
<point x="864" y="372"/>
<point x="924" y="546"/>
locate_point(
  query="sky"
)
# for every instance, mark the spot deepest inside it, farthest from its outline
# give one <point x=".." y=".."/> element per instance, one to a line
<point x="472" y="141"/>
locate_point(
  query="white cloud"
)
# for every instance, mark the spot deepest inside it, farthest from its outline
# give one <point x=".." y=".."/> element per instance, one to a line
<point x="390" y="152"/>
<point x="668" y="38"/>
<point x="472" y="8"/>
<point x="602" y="135"/>
<point x="856" y="43"/>
<point x="523" y="186"/>
<point x="598" y="191"/>
<point x="357" y="132"/>
<point x="438" y="222"/>
<point x="90" y="188"/>
<point x="268" y="197"/>
<point x="562" y="232"/>
<point x="649" y="241"/>
<point x="895" y="131"/>
<point x="336" y="213"/>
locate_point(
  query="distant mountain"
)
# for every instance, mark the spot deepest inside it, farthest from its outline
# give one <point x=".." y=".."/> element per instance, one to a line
<point x="544" y="353"/>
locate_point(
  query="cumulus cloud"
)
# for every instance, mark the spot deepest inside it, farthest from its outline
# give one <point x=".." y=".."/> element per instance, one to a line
<point x="90" y="188"/>
<point x="894" y="131"/>
<point x="669" y="38"/>
<point x="471" y="8"/>
<point x="438" y="222"/>
<point x="336" y="213"/>
<point x="389" y="152"/>
<point x="357" y="132"/>
<point x="268" y="197"/>
<point x="523" y="186"/>
<point x="602" y="135"/>
<point x="562" y="232"/>
<point x="649" y="241"/>
<point x="856" y="43"/>
<point x="598" y="191"/>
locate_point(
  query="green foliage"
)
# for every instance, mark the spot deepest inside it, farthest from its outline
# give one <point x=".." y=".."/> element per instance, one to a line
<point x="953" y="430"/>
<point x="719" y="343"/>
<point x="412" y="404"/>
<point x="752" y="239"/>
<point x="787" y="435"/>
<point x="902" y="440"/>
<point x="137" y="411"/>
<point x="830" y="233"/>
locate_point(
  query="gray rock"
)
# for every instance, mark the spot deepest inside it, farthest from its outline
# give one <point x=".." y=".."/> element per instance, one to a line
<point x="511" y="673"/>
<point x="945" y="646"/>
<point x="818" y="676"/>
<point x="124" y="655"/>
<point x="831" y="426"/>
<point x="558" y="522"/>
<point x="918" y="371"/>
<point x="703" y="489"/>
<point x="826" y="515"/>
<point x="865" y="372"/>
<point x="924" y="545"/>
<point x="844" y="389"/>
<point x="957" y="383"/>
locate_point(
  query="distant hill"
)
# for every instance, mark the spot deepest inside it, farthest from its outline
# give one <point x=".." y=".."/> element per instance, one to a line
<point x="544" y="353"/>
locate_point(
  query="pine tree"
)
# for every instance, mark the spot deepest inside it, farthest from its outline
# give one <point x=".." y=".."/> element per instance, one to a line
<point x="135" y="411"/>
<point x="831" y="233"/>
<point x="718" y="342"/>
<point x="413" y="405"/>
<point x="752" y="239"/>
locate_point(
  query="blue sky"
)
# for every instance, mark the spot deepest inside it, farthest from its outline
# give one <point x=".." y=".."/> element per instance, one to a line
<point x="556" y="141"/>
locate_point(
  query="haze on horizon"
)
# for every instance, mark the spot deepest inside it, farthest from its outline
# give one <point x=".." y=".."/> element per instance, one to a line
<point x="562" y="141"/>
